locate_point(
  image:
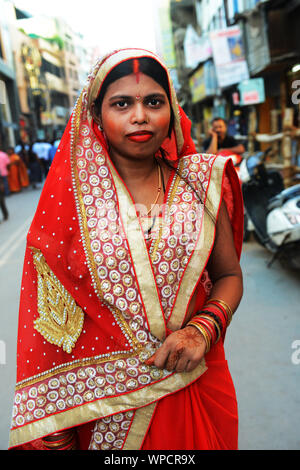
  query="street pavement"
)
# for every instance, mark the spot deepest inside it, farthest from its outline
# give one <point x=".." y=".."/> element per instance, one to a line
<point x="262" y="342"/>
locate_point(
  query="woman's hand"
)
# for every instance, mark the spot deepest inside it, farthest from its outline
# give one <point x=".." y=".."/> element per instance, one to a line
<point x="182" y="351"/>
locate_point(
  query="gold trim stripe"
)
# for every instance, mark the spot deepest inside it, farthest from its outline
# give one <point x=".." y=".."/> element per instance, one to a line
<point x="104" y="407"/>
<point x="139" y="427"/>
<point x="140" y="257"/>
<point x="202" y="250"/>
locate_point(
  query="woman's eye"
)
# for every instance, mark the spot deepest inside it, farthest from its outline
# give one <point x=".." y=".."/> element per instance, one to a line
<point x="154" y="102"/>
<point x="121" y="104"/>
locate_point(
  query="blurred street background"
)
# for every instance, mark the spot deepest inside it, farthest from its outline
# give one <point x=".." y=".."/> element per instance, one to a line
<point x="238" y="60"/>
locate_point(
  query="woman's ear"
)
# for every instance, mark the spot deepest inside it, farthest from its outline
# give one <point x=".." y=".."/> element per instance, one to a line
<point x="96" y="116"/>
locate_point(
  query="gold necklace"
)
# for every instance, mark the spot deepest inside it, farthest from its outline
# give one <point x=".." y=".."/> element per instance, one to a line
<point x="158" y="191"/>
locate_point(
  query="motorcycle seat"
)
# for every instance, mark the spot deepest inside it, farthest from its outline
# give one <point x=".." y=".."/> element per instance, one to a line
<point x="284" y="196"/>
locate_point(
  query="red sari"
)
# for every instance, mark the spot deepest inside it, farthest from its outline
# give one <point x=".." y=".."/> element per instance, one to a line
<point x="17" y="175"/>
<point x="97" y="300"/>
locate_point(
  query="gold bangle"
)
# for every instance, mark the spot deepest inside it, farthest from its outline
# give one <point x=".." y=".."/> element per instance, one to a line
<point x="224" y="305"/>
<point x="199" y="316"/>
<point x="203" y="332"/>
<point x="211" y="320"/>
<point x="60" y="439"/>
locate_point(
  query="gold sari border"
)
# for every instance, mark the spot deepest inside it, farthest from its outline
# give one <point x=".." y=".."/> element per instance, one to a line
<point x="139" y="427"/>
<point x="101" y="408"/>
<point x="203" y="247"/>
<point x="140" y="257"/>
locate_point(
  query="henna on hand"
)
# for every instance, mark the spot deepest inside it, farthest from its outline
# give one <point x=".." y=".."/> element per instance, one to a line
<point x="181" y="351"/>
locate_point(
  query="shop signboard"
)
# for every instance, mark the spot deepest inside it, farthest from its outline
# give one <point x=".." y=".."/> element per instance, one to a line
<point x="229" y="56"/>
<point x="197" y="85"/>
<point x="252" y="91"/>
<point x="203" y="82"/>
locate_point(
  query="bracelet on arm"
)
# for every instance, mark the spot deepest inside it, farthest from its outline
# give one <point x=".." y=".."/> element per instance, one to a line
<point x="212" y="321"/>
<point x="203" y="331"/>
<point x="62" y="440"/>
<point x="223" y="306"/>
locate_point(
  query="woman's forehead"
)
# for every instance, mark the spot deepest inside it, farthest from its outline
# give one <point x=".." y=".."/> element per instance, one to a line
<point x="129" y="85"/>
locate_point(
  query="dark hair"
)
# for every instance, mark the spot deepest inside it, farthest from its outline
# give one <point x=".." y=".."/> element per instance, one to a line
<point x="218" y="118"/>
<point x="149" y="67"/>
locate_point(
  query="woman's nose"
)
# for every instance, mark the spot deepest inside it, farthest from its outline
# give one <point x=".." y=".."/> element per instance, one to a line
<point x="139" y="114"/>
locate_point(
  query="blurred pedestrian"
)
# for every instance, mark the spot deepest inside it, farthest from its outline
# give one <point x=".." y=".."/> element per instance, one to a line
<point x="41" y="148"/>
<point x="18" y="174"/>
<point x="220" y="140"/>
<point x="22" y="151"/>
<point x="52" y="151"/>
<point x="34" y="166"/>
<point x="4" y="169"/>
<point x="2" y="199"/>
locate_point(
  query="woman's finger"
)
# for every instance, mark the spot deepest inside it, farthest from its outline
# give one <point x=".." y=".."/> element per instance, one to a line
<point x="190" y="366"/>
<point x="173" y="358"/>
<point x="182" y="364"/>
<point x="150" y="360"/>
<point x="159" y="358"/>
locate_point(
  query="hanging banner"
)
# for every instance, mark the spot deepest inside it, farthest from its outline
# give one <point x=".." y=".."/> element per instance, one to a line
<point x="229" y="56"/>
<point x="197" y="48"/>
<point x="256" y="34"/>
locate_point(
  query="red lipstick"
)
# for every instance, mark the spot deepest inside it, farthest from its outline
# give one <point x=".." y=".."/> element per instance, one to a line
<point x="142" y="136"/>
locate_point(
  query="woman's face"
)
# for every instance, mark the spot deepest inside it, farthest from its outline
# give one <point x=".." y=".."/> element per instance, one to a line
<point x="135" y="116"/>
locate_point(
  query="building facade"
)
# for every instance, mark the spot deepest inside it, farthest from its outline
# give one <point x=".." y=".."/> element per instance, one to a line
<point x="45" y="64"/>
<point x="241" y="60"/>
<point x="9" y="103"/>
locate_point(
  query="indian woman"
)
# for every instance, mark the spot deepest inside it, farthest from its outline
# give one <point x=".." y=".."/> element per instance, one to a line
<point x="17" y="175"/>
<point x="131" y="277"/>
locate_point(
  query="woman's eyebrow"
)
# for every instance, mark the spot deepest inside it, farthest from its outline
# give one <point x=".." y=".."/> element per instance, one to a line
<point x="155" y="95"/>
<point x="120" y="97"/>
<point x="128" y="97"/>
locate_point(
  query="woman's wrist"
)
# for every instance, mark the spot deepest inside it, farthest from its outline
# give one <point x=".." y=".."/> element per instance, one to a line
<point x="212" y="321"/>
<point x="203" y="333"/>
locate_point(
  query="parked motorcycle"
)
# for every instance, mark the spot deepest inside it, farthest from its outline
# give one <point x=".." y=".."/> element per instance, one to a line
<point x="273" y="210"/>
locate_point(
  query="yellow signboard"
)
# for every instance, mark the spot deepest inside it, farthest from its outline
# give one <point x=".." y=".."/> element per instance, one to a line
<point x="197" y="85"/>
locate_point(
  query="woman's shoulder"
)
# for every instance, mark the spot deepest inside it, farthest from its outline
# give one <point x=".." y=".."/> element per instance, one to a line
<point x="204" y="168"/>
<point x="191" y="161"/>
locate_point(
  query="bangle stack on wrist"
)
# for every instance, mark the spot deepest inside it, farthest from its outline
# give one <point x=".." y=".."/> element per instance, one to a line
<point x="212" y="321"/>
<point x="224" y="307"/>
<point x="203" y="331"/>
<point x="62" y="440"/>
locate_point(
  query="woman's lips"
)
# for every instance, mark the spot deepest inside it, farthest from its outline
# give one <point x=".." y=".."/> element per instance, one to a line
<point x="140" y="136"/>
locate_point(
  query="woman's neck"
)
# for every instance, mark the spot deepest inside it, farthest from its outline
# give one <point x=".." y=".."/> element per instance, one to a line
<point x="134" y="170"/>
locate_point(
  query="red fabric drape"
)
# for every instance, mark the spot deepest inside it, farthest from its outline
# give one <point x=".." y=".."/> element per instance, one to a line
<point x="203" y="416"/>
